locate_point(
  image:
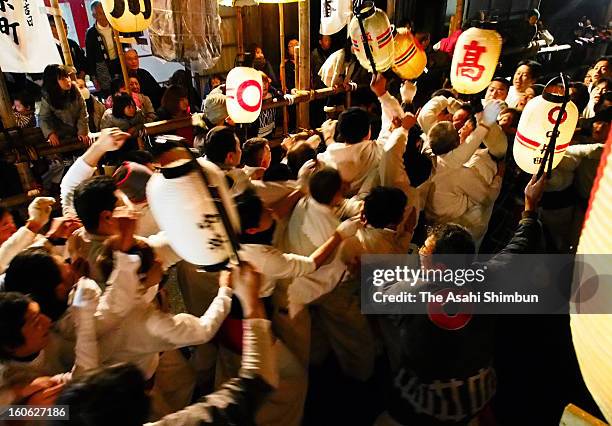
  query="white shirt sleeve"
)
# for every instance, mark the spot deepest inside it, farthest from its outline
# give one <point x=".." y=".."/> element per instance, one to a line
<point x="391" y="108"/>
<point x="77" y="173"/>
<point x="17" y="242"/>
<point x="159" y="243"/>
<point x="184" y="329"/>
<point x="429" y="113"/>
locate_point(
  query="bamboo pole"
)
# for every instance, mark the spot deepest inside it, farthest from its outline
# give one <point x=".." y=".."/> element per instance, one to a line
<point x="240" y="32"/>
<point x="6" y="110"/>
<point x="61" y="32"/>
<point x="456" y="20"/>
<point x="283" y="77"/>
<point x="124" y="70"/>
<point x="303" y="83"/>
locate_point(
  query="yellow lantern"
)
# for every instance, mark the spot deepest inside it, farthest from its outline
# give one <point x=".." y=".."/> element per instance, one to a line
<point x="184" y="208"/>
<point x="132" y="17"/>
<point x="410" y="58"/>
<point x="535" y="129"/>
<point x="379" y="35"/>
<point x="475" y="60"/>
<point x="592" y="333"/>
<point x="244" y="91"/>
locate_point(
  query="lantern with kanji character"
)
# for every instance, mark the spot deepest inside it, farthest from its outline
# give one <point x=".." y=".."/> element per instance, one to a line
<point x="591" y="319"/>
<point x="184" y="208"/>
<point x="475" y="60"/>
<point x="410" y="58"/>
<point x="244" y="91"/>
<point x="379" y="34"/>
<point x="128" y="16"/>
<point x="536" y="128"/>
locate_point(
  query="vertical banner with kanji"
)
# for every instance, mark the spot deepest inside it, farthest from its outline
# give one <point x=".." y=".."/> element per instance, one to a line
<point x="26" y="42"/>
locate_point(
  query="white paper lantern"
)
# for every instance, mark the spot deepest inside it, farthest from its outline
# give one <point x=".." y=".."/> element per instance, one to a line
<point x="410" y="58"/>
<point x="592" y="333"/>
<point x="379" y="35"/>
<point x="335" y="14"/>
<point x="535" y="128"/>
<point x="128" y="16"/>
<point x="475" y="60"/>
<point x="182" y="207"/>
<point x="244" y="91"/>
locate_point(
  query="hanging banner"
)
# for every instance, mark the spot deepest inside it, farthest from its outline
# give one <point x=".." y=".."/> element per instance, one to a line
<point x="26" y="42"/>
<point x="335" y="14"/>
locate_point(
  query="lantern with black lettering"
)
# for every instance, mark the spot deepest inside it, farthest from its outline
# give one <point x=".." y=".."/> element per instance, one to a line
<point x="379" y="34"/>
<point x="475" y="60"/>
<point x="128" y="16"/>
<point x="410" y="58"/>
<point x="244" y="91"/>
<point x="535" y="130"/>
<point x="197" y="213"/>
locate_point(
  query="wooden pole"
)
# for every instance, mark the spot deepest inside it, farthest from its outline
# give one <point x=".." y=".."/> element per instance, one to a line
<point x="124" y="70"/>
<point x="391" y="10"/>
<point x="457" y="20"/>
<point x="61" y="32"/>
<point x="303" y="83"/>
<point x="240" y="33"/>
<point x="283" y="77"/>
<point x="6" y="110"/>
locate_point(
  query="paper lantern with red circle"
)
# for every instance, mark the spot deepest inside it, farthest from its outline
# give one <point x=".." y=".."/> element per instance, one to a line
<point x="128" y="16"/>
<point x="244" y="91"/>
<point x="475" y="60"/>
<point x="379" y="34"/>
<point x="535" y="129"/>
<point x="410" y="58"/>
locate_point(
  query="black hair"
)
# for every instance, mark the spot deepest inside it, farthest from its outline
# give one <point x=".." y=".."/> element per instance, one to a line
<point x="139" y="156"/>
<point x="535" y="68"/>
<point x="516" y="115"/>
<point x="298" y="155"/>
<point x="35" y="272"/>
<point x="324" y="184"/>
<point x="472" y="119"/>
<point x="580" y="96"/>
<point x="278" y="172"/>
<point x="95" y="4"/>
<point x="220" y="141"/>
<point x="26" y="99"/>
<point x="92" y="197"/>
<point x="443" y="92"/>
<point x="120" y="102"/>
<point x="52" y="92"/>
<point x="171" y="98"/>
<point x="96" y="397"/>
<point x="252" y="151"/>
<point x="13" y="308"/>
<point x="602" y="59"/>
<point x="353" y="125"/>
<point x="603" y="80"/>
<point x="503" y="81"/>
<point x="453" y="239"/>
<point x="250" y="208"/>
<point x="384" y="206"/>
<point x="116" y="85"/>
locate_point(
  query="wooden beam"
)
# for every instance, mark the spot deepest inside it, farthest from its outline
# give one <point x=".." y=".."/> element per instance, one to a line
<point x="283" y="77"/>
<point x="457" y="20"/>
<point x="6" y="106"/>
<point x="303" y="112"/>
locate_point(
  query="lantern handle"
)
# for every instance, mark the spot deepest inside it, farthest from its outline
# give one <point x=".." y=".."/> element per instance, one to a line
<point x="364" y="37"/>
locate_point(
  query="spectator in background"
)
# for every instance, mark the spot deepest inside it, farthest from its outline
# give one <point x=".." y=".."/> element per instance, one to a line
<point x="95" y="108"/>
<point x="598" y="89"/>
<point x="256" y="157"/>
<point x="259" y="62"/>
<point x="148" y="85"/>
<point x="183" y="79"/>
<point x="124" y="115"/>
<point x="602" y="69"/>
<point x="290" y="64"/>
<point x="63" y="114"/>
<point x="588" y="77"/>
<point x="101" y="50"/>
<point x="145" y="102"/>
<point x="526" y="75"/>
<point x="175" y="104"/>
<point x="317" y="58"/>
<point x="214" y="81"/>
<point x="498" y="89"/>
<point x="78" y="56"/>
<point x="23" y="108"/>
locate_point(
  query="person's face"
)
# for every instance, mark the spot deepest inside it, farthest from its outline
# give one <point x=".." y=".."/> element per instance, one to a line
<point x="20" y="108"/>
<point x="459" y="118"/>
<point x="522" y="78"/>
<point x="134" y="85"/>
<point x="588" y="78"/>
<point x="35" y="331"/>
<point x="505" y="122"/>
<point x="65" y="83"/>
<point x="291" y="47"/>
<point x="466" y="130"/>
<point x="325" y="42"/>
<point x="259" y="53"/>
<point x="129" y="111"/>
<point x="266" y="83"/>
<point x="496" y="90"/>
<point x="601" y="69"/>
<point x="599" y="90"/>
<point x="7" y="227"/>
<point x="214" y="82"/>
<point x="525" y="98"/>
<point x="99" y="16"/>
<point x="600" y="131"/>
<point x="132" y="61"/>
